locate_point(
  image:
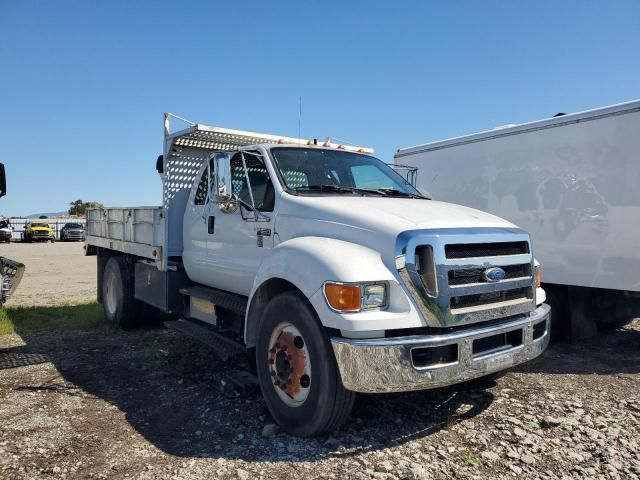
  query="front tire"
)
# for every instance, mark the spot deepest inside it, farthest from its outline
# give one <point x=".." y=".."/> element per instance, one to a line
<point x="120" y="306"/>
<point x="297" y="370"/>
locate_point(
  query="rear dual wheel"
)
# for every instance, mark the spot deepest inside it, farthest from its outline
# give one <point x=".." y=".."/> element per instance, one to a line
<point x="297" y="370"/>
<point x="120" y="306"/>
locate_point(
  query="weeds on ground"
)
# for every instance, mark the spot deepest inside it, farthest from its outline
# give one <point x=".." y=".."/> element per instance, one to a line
<point x="469" y="458"/>
<point x="66" y="316"/>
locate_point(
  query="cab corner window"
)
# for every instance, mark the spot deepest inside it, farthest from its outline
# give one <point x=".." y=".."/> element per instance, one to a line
<point x="201" y="192"/>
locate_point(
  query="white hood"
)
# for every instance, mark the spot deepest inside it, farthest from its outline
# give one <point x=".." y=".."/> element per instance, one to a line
<point x="395" y="214"/>
<point x="373" y="221"/>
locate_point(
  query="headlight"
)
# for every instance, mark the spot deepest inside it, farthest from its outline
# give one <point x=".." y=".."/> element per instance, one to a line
<point x="355" y="297"/>
<point x="374" y="295"/>
<point x="538" y="275"/>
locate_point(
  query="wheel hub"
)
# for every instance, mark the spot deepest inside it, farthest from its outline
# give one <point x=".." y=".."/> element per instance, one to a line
<point x="110" y="295"/>
<point x="289" y="364"/>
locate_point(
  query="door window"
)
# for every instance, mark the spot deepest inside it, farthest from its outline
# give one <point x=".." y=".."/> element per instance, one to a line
<point x="261" y="185"/>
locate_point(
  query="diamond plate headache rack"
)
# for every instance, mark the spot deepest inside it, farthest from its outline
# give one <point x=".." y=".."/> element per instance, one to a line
<point x="225" y="139"/>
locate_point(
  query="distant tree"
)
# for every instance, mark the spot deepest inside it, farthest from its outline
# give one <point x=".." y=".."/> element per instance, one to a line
<point x="80" y="208"/>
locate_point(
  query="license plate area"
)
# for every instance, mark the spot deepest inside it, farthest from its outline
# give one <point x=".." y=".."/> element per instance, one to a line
<point x="499" y="362"/>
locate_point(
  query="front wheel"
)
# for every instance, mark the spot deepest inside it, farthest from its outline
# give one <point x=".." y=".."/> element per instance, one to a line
<point x="297" y="370"/>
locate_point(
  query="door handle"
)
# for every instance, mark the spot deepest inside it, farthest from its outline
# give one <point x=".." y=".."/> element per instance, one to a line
<point x="211" y="224"/>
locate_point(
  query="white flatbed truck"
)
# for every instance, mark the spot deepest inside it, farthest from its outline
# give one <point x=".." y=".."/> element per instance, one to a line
<point x="573" y="182"/>
<point x="318" y="260"/>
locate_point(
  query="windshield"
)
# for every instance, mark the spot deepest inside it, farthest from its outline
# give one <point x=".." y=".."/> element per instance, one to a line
<point x="44" y="225"/>
<point x="331" y="172"/>
<point x="73" y="225"/>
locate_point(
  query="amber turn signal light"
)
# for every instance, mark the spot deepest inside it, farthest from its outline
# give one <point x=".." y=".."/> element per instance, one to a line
<point x="344" y="298"/>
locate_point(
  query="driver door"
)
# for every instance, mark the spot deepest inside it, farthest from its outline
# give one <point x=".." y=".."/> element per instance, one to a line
<point x="243" y="236"/>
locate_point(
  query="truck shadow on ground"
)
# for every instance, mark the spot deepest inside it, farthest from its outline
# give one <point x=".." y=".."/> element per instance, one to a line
<point x="167" y="387"/>
<point x="607" y="353"/>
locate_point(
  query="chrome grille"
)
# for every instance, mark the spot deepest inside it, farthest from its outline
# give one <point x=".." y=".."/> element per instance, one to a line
<point x="483" y="299"/>
<point x="475" y="250"/>
<point x="474" y="275"/>
<point x="444" y="272"/>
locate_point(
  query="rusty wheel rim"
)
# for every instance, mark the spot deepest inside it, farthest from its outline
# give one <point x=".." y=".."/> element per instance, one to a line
<point x="289" y="364"/>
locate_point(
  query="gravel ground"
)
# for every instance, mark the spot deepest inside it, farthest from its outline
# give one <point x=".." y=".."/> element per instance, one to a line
<point x="100" y="403"/>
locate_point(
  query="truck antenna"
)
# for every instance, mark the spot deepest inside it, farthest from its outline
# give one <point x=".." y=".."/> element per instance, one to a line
<point x="299" y="118"/>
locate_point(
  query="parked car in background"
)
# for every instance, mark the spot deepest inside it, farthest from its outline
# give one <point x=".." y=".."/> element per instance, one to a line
<point x="38" y="231"/>
<point x="72" y="231"/>
<point x="6" y="231"/>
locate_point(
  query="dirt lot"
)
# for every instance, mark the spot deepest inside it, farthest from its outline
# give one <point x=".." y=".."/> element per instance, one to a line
<point x="79" y="399"/>
<point x="56" y="272"/>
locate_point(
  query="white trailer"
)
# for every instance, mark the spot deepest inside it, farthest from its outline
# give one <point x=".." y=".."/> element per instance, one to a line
<point x="573" y="182"/>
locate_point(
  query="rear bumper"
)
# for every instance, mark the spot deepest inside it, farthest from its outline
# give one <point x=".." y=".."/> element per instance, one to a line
<point x="389" y="364"/>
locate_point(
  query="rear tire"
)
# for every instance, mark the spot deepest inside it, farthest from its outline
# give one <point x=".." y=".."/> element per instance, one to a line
<point x="120" y="306"/>
<point x="294" y="350"/>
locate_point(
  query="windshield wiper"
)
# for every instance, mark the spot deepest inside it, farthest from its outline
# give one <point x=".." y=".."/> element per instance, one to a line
<point x="392" y="192"/>
<point x="385" y="192"/>
<point x="336" y="188"/>
<point x="323" y="188"/>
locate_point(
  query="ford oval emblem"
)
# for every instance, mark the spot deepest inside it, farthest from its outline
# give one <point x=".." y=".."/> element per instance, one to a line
<point x="494" y="274"/>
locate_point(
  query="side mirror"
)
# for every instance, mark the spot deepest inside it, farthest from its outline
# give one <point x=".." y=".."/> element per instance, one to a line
<point x="160" y="164"/>
<point x="3" y="181"/>
<point x="224" y="183"/>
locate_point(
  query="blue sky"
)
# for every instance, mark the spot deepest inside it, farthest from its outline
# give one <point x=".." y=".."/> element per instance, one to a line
<point x="83" y="84"/>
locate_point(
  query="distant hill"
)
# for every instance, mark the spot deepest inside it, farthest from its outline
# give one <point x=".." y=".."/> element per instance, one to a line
<point x="49" y="214"/>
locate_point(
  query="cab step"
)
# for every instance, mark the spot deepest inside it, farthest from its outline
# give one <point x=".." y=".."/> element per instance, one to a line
<point x="229" y="301"/>
<point x="222" y="346"/>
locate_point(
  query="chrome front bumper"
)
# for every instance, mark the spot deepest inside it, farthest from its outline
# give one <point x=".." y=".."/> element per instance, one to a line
<point x="388" y="364"/>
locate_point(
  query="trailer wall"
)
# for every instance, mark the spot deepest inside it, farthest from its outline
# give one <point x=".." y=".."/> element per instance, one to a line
<point x="572" y="182"/>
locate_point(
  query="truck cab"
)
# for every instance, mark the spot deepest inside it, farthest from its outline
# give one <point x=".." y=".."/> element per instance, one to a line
<point x="329" y="268"/>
